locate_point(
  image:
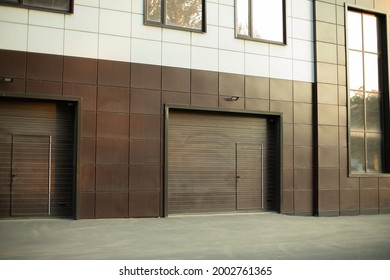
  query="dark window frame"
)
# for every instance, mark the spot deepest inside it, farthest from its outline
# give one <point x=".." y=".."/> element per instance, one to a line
<point x="22" y="4"/>
<point x="163" y="24"/>
<point x="384" y="79"/>
<point x="250" y="36"/>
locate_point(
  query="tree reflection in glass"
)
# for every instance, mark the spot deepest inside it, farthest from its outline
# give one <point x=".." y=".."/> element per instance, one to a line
<point x="153" y="10"/>
<point x="184" y="13"/>
<point x="242" y="17"/>
<point x="178" y="13"/>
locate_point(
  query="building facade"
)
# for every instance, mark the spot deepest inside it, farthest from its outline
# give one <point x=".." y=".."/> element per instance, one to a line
<point x="152" y="108"/>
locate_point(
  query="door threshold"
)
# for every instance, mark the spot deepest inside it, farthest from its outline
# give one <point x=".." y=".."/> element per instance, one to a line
<point x="222" y="214"/>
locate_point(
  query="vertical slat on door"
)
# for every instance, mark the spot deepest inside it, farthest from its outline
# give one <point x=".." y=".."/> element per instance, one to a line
<point x="30" y="175"/>
<point x="5" y="174"/>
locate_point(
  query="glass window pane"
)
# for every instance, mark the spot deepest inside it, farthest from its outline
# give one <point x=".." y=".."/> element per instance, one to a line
<point x="374" y="152"/>
<point x="184" y="13"/>
<point x="374" y="111"/>
<point x="242" y="17"/>
<point x="370" y="31"/>
<point x="371" y="75"/>
<point x="357" y="110"/>
<point x="267" y="20"/>
<point x="355" y="37"/>
<point x="153" y="10"/>
<point x="357" y="152"/>
<point x="61" y="5"/>
<point x="355" y="70"/>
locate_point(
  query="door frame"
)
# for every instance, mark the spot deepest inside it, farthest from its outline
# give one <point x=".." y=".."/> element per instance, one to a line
<point x="77" y="103"/>
<point x="239" y="178"/>
<point x="276" y="116"/>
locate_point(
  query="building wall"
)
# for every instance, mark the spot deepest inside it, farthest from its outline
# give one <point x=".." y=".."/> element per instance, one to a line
<point x="121" y="165"/>
<point x="339" y="193"/>
<point x="125" y="72"/>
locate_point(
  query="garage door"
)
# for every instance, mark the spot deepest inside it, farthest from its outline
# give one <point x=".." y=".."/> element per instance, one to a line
<point x="36" y="158"/>
<point x="220" y="162"/>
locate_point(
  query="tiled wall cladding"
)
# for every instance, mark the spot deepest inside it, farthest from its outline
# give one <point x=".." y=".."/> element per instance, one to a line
<point x="122" y="123"/>
<point x="338" y="193"/>
<point x="114" y="30"/>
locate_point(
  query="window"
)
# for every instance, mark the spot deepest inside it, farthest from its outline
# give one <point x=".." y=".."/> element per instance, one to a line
<point x="181" y="14"/>
<point x="63" y="6"/>
<point x="368" y="91"/>
<point x="262" y="20"/>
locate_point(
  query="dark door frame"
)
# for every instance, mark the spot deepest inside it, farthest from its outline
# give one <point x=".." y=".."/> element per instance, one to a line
<point x="278" y="117"/>
<point x="77" y="103"/>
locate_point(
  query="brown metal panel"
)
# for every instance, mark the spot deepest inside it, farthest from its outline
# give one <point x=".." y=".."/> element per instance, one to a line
<point x="203" y="162"/>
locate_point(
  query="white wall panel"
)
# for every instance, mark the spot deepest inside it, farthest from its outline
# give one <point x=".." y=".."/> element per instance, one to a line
<point x="81" y="44"/>
<point x="302" y="29"/>
<point x="114" y="48"/>
<point x="231" y="62"/>
<point x="228" y="42"/>
<point x="83" y="19"/>
<point x="10" y="14"/>
<point x="226" y="2"/>
<point x="303" y="50"/>
<point x="226" y="16"/>
<point x="281" y="68"/>
<point x="212" y="13"/>
<point x="146" y="51"/>
<point x="90" y="3"/>
<point x="119" y="5"/>
<point x="284" y="51"/>
<point x="204" y="58"/>
<point x="137" y="7"/>
<point x="13" y="36"/>
<point x="209" y="39"/>
<point x="176" y="55"/>
<point x="45" y="40"/>
<point x="302" y="9"/>
<point x="55" y="20"/>
<point x="256" y="65"/>
<point x="115" y="23"/>
<point x="139" y="30"/>
<point x="257" y="47"/>
<point x="175" y="36"/>
<point x="302" y="71"/>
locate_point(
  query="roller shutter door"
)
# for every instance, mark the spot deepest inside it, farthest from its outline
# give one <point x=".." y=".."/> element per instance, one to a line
<point x="221" y="162"/>
<point x="36" y="158"/>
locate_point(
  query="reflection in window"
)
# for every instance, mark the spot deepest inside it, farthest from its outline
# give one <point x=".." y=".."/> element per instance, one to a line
<point x="365" y="93"/>
<point x="65" y="6"/>
<point x="188" y="14"/>
<point x="357" y="152"/>
<point x="261" y="20"/>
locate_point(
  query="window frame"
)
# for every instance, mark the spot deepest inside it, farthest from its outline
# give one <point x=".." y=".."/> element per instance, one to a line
<point x="21" y="4"/>
<point x="250" y="23"/>
<point x="383" y="79"/>
<point x="163" y="24"/>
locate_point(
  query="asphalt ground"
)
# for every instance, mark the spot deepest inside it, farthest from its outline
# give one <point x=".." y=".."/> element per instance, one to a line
<point x="256" y="236"/>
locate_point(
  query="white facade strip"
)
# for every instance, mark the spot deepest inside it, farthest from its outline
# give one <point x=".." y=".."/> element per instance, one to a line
<point x="115" y="30"/>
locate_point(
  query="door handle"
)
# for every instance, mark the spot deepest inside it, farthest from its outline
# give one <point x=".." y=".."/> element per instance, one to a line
<point x="238" y="177"/>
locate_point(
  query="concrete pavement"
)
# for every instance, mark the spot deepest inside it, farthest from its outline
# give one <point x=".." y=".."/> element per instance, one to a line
<point x="238" y="236"/>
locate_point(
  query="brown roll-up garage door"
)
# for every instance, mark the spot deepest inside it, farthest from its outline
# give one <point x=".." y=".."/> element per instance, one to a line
<point x="221" y="162"/>
<point x="36" y="158"/>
